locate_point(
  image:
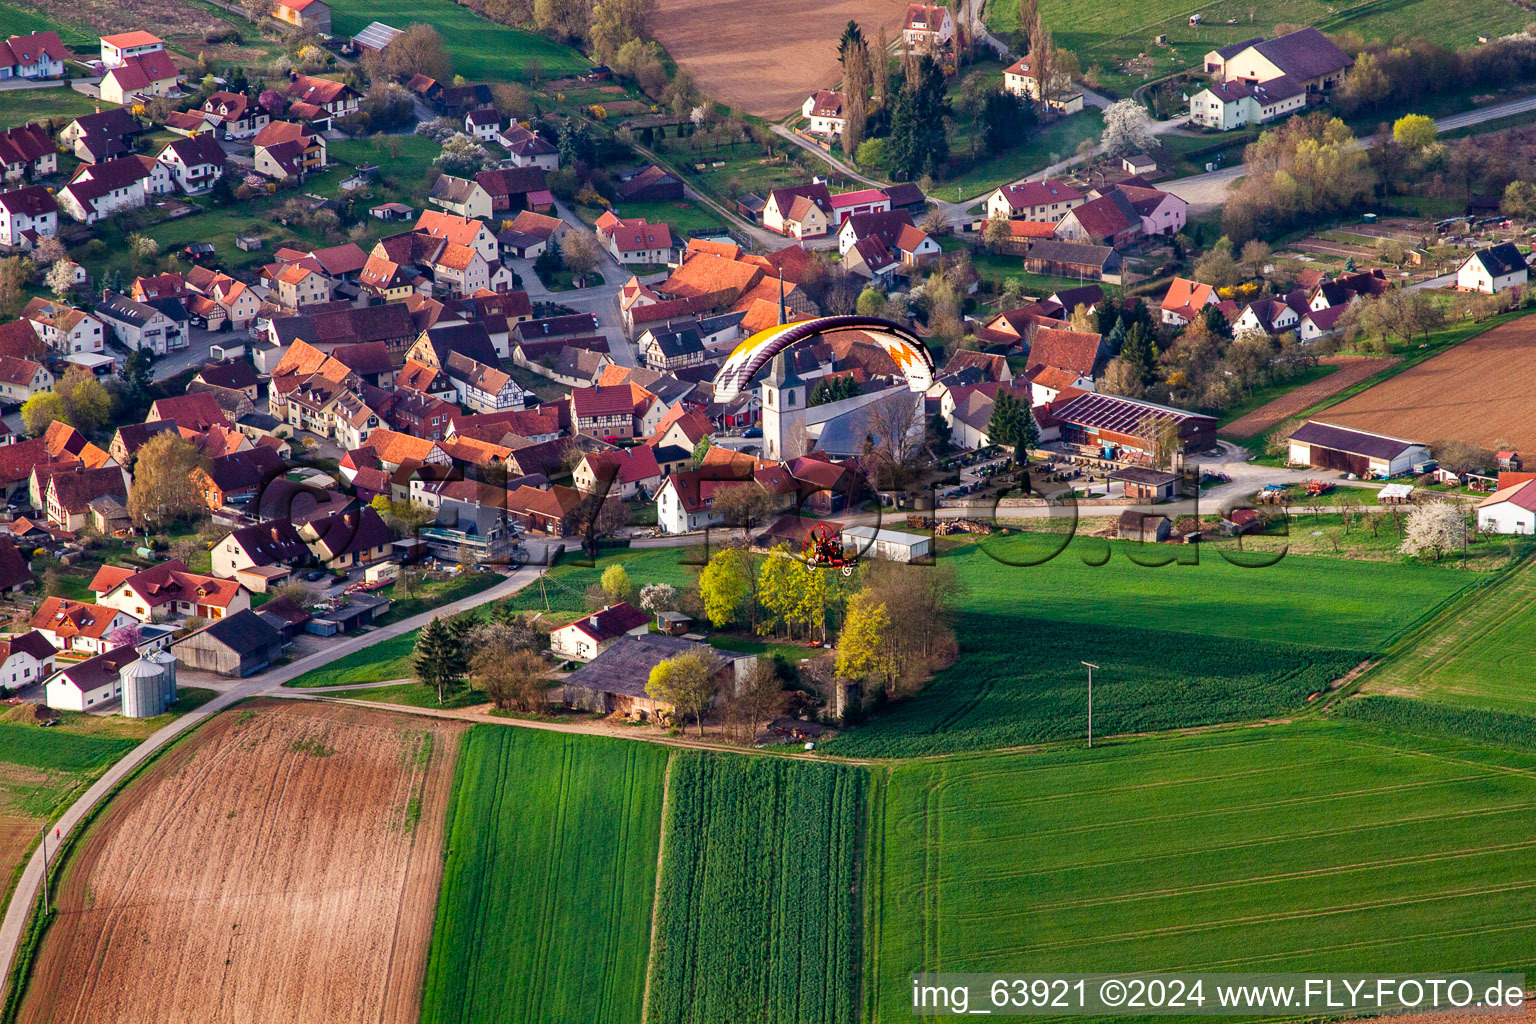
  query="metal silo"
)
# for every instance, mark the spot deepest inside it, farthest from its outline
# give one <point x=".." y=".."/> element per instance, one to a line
<point x="167" y="662"/>
<point x="143" y="694"/>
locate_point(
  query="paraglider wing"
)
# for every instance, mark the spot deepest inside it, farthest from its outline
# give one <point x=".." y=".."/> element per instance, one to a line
<point x="905" y="349"/>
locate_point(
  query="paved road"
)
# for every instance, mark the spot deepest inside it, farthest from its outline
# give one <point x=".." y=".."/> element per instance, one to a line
<point x="27" y="889"/>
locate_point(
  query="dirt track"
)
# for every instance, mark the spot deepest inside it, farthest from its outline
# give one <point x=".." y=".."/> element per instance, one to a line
<point x="1351" y="370"/>
<point x="1478" y="392"/>
<point x="280" y="865"/>
<point x="766" y="58"/>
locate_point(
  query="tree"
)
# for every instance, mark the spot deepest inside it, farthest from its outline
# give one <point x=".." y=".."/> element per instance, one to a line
<point x="163" y="487"/>
<point x="1013" y="426"/>
<point x="856" y="86"/>
<point x="42" y="409"/>
<point x="581" y="255"/>
<point x="1140" y="355"/>
<point x="440" y="662"/>
<point x="1217" y="267"/>
<point x="1254" y="257"/>
<point x="125" y="636"/>
<point x="917" y="144"/>
<point x="462" y="156"/>
<point x="1414" y="131"/>
<point x="1519" y="199"/>
<point x="61" y="280"/>
<point x="658" y="597"/>
<point x="1435" y="528"/>
<point x="87" y="403"/>
<point x="15" y="272"/>
<point x="700" y="450"/>
<point x="687" y="681"/>
<point x="880" y="69"/>
<point x="724" y="587"/>
<point x="745" y="505"/>
<point x="143" y="247"/>
<point x="998" y="233"/>
<point x="297" y="591"/>
<point x="615" y="22"/>
<point x="1462" y="457"/>
<point x="759" y="700"/>
<point x="851" y="39"/>
<point x="510" y="678"/>
<point x="404" y="517"/>
<point x="616" y="585"/>
<point x="1083" y="320"/>
<point x="48" y="251"/>
<point x="1161" y="434"/>
<point x="864" y="649"/>
<point x="416" y="51"/>
<point x="550" y="259"/>
<point x="1006" y="121"/>
<point x="1127" y="129"/>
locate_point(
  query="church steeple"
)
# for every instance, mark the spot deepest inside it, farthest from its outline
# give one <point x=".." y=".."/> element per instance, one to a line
<point x="782" y="318"/>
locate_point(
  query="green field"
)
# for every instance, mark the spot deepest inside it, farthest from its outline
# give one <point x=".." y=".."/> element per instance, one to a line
<point x="1299" y="848"/>
<point x="482" y="50"/>
<point x="18" y="106"/>
<point x="545" y="911"/>
<point x="757" y="913"/>
<point x="681" y="217"/>
<point x="1481" y="653"/>
<point x="16" y="22"/>
<point x="1179" y="645"/>
<point x="1106" y="36"/>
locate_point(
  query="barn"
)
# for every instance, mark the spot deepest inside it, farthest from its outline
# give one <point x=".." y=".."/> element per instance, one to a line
<point x="239" y="645"/>
<point x="1360" y="452"/>
<point x="614" y="681"/>
<point x="1120" y="423"/>
<point x="888" y="545"/>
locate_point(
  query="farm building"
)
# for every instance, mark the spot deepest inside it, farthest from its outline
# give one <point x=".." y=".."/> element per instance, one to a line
<point x="1073" y="259"/>
<point x="888" y="545"/>
<point x="1113" y="421"/>
<point x="1354" y="451"/>
<point x="375" y="37"/>
<point x="239" y="645"/>
<point x="1140" y="526"/>
<point x="1509" y="510"/>
<point x="614" y="681"/>
<point x="1492" y="270"/>
<point x="88" y="684"/>
<point x="588" y="637"/>
<point x="1147" y="484"/>
<point x="309" y="15"/>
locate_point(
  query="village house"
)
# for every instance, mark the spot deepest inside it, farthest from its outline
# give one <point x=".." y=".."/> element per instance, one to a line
<point x="1186" y="300"/>
<point x="319" y="101"/>
<point x="64" y="329"/>
<point x="650" y="184"/>
<point x="483" y="125"/>
<point x="236" y="114"/>
<point x="70" y="625"/>
<point x="234" y="479"/>
<point x="1492" y="270"/>
<point x="1022" y="78"/>
<point x="286" y="150"/>
<point x="824" y="109"/>
<point x="592" y="634"/>
<point x="671" y="349"/>
<point x="27" y="150"/>
<point x="632" y="240"/>
<point x="140" y="76"/>
<point x="849" y="204"/>
<point x="1259" y="80"/>
<point x="1509" y="510"/>
<point x="621" y="410"/>
<point x="167" y="590"/>
<point x="139" y="325"/>
<point x="38" y="55"/>
<point x="89" y="684"/>
<point x="627" y="473"/>
<point x="352" y="537"/>
<point x="28" y="215"/>
<point x="71" y="491"/>
<point x="102" y="135"/>
<point x="1047" y="200"/>
<point x="195" y="163"/>
<point x="99" y="190"/>
<point x="614" y="681"/>
<point x="527" y="148"/>
<point x="928" y="28"/>
<point x="25" y="659"/>
<point x="20" y="379"/>
<point x="306" y="15"/>
<point x="117" y="49"/>
<point x="1109" y="219"/>
<point x="802" y="211"/>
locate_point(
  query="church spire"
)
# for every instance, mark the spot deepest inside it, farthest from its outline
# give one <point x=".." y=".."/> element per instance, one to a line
<point x="782" y="318"/>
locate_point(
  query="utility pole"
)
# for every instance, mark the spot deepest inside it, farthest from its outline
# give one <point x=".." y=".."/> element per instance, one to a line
<point x="1091" y="667"/>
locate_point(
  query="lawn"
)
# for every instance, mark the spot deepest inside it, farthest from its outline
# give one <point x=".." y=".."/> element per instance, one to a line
<point x="482" y="50"/>
<point x="431" y="594"/>
<point x="412" y="695"/>
<point x="545" y="907"/>
<point x="1479" y="653"/>
<point x="17" y="22"/>
<point x="1106" y="37"/>
<point x="1180" y="645"/>
<point x="1058" y="141"/>
<point x="682" y="217"/>
<point x="18" y="106"/>
<point x="757" y="913"/>
<point x="388" y="659"/>
<point x="1309" y="847"/>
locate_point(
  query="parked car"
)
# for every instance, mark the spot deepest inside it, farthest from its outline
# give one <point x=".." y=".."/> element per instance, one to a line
<point x="316" y="576"/>
<point x="752" y="432"/>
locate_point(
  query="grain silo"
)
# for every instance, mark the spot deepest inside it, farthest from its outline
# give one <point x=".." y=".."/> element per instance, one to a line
<point x="143" y="684"/>
<point x="167" y="661"/>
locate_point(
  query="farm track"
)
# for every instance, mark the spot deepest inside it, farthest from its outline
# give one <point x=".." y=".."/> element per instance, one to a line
<point x="318" y="829"/>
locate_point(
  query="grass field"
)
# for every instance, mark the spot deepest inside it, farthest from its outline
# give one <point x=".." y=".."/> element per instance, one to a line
<point x="1179" y="645"/>
<point x="682" y="217"/>
<point x="758" y="910"/>
<point x="482" y="50"/>
<point x="1305" y="847"/>
<point x="545" y="912"/>
<point x="16" y="22"/>
<point x="18" y="106"/>
<point x="1480" y="653"/>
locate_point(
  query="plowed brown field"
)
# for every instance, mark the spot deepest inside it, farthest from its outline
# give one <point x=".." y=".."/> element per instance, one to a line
<point x="766" y="58"/>
<point x="1352" y="370"/>
<point x="280" y="865"/>
<point x="1479" y="392"/>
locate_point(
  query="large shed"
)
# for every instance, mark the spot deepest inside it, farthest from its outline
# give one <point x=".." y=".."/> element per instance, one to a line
<point x="888" y="545"/>
<point x="1360" y="452"/>
<point x="614" y="681"/>
<point x="240" y="645"/>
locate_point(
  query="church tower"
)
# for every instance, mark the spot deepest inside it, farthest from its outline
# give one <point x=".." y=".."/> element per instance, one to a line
<point x="783" y="398"/>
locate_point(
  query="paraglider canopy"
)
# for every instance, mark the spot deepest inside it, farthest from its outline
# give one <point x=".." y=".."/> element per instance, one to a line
<point x="911" y="356"/>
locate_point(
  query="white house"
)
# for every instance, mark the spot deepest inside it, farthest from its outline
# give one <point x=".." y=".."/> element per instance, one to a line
<point x="1258" y="80"/>
<point x="87" y="684"/>
<point x="115" y="50"/>
<point x="588" y="637"/>
<point x="1186" y="300"/>
<point x="39" y="55"/>
<point x="139" y="325"/>
<point x="64" y="328"/>
<point x="888" y="545"/>
<point x="1022" y="78"/>
<point x="1267" y="316"/>
<point x="1228" y="105"/>
<point x="928" y="26"/>
<point x="20" y="379"/>
<point x="632" y="240"/>
<point x="25" y="659"/>
<point x="27" y="215"/>
<point x="1509" y="510"/>
<point x="824" y="109"/>
<point x="195" y="163"/>
<point x="1492" y="270"/>
<point x="482" y="125"/>
<point x="527" y="148"/>
<point x="1046" y="201"/>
